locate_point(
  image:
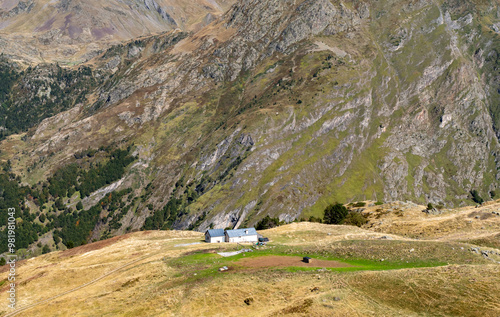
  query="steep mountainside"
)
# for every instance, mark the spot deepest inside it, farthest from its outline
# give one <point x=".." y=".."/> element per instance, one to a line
<point x="280" y="107"/>
<point x="73" y="30"/>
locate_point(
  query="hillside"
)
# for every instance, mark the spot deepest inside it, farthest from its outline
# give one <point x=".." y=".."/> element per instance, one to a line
<point x="69" y="31"/>
<point x="276" y="108"/>
<point x="172" y="273"/>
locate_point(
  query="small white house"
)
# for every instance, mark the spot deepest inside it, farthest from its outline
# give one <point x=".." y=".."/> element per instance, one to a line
<point x="215" y="235"/>
<point x="242" y="235"/>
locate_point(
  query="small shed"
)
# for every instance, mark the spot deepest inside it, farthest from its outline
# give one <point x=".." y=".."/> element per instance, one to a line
<point x="215" y="236"/>
<point x="307" y="259"/>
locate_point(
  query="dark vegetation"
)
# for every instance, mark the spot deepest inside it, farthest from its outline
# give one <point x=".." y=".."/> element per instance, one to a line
<point x="354" y="219"/>
<point x="71" y="178"/>
<point x="76" y="228"/>
<point x="315" y="219"/>
<point x="335" y="213"/>
<point x="72" y="227"/>
<point x="12" y="196"/>
<point x="165" y="217"/>
<point x="359" y="204"/>
<point x="27" y="97"/>
<point x="475" y="197"/>
<point x="267" y="223"/>
<point x="339" y="214"/>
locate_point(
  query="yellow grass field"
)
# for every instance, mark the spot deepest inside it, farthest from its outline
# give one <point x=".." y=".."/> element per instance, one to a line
<point x="385" y="273"/>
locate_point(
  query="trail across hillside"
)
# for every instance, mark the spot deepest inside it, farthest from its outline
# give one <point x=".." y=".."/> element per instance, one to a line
<point x="17" y="311"/>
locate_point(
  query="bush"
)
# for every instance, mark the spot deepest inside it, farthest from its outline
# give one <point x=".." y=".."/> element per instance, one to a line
<point x="359" y="204"/>
<point x="79" y="206"/>
<point x="493" y="194"/>
<point x="314" y="219"/>
<point x="45" y="249"/>
<point x="2" y="261"/>
<point x="430" y="206"/>
<point x="267" y="223"/>
<point x="475" y="197"/>
<point x="335" y="214"/>
<point x="355" y="219"/>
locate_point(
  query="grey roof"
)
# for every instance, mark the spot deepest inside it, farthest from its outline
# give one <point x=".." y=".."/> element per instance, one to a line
<point x="241" y="232"/>
<point x="216" y="232"/>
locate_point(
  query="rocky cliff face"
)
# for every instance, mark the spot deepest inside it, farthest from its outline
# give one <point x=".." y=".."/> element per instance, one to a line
<point x="282" y="107"/>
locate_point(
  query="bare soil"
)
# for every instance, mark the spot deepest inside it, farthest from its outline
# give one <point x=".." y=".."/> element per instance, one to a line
<point x="286" y="261"/>
<point x="92" y="246"/>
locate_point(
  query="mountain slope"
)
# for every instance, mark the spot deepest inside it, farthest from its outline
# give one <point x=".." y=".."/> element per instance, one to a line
<point x="72" y="31"/>
<point x="281" y="108"/>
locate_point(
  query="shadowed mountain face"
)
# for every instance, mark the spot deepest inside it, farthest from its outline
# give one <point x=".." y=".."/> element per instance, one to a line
<point x="73" y="30"/>
<point x="279" y="107"/>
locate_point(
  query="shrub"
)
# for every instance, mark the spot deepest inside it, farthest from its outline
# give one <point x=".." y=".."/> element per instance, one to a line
<point x="359" y="204"/>
<point x="267" y="223"/>
<point x="2" y="261"/>
<point x="430" y="206"/>
<point x="314" y="219"/>
<point x="79" y="206"/>
<point x="45" y="249"/>
<point x="475" y="197"/>
<point x="355" y="219"/>
<point x="493" y="194"/>
<point x="335" y="213"/>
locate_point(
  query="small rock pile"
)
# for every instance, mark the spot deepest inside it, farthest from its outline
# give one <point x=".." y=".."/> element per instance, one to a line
<point x="485" y="253"/>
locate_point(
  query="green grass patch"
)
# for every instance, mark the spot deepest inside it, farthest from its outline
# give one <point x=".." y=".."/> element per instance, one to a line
<point x="361" y="255"/>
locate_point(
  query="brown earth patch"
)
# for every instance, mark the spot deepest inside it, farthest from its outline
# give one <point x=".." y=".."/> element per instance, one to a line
<point x="93" y="246"/>
<point x="6" y="287"/>
<point x="286" y="261"/>
<point x="6" y="267"/>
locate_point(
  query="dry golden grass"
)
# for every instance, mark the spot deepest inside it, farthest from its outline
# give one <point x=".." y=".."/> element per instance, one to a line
<point x="142" y="280"/>
<point x="453" y="224"/>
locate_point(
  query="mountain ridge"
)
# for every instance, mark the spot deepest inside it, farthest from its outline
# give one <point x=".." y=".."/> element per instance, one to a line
<point x="72" y="32"/>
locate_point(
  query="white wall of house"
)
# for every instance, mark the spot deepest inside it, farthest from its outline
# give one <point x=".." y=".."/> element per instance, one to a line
<point x="253" y="238"/>
<point x="217" y="239"/>
<point x="210" y="239"/>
